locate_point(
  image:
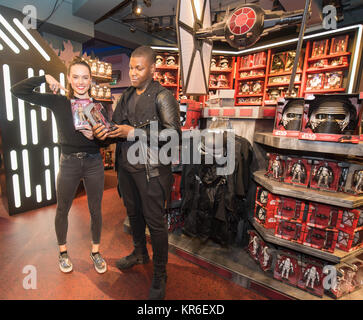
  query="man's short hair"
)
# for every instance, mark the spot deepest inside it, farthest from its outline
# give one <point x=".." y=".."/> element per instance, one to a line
<point x="146" y="52"/>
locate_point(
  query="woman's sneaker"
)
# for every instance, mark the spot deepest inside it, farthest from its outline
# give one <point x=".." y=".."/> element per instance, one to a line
<point x="99" y="263"/>
<point x="65" y="263"/>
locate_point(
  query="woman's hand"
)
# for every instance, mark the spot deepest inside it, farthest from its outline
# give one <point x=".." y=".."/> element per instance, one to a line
<point x="87" y="132"/>
<point x="54" y="85"/>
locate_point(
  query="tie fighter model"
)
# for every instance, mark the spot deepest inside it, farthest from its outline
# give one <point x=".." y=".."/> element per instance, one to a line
<point x="242" y="28"/>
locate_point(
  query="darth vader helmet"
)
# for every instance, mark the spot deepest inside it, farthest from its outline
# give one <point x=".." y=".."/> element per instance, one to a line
<point x="292" y="115"/>
<point x="332" y="115"/>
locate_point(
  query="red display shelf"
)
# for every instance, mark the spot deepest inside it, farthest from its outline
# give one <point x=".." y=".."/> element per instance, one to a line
<point x="105" y="100"/>
<point x="326" y="90"/>
<point x="329" y="56"/>
<point x="282" y="84"/>
<point x="249" y="104"/>
<point x="221" y="70"/>
<point x="169" y="85"/>
<point x="216" y="88"/>
<point x="285" y="73"/>
<point x="252" y="68"/>
<point x="167" y="67"/>
<point x="249" y="95"/>
<point x="251" y="78"/>
<point x="329" y="68"/>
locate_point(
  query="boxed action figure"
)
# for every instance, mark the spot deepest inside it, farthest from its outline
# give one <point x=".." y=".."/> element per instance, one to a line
<point x="289" y="230"/>
<point x="352" y="179"/>
<point x="350" y="241"/>
<point x="311" y="276"/>
<point x="254" y="245"/>
<point x="290" y="209"/>
<point x="333" y="80"/>
<point x="265" y="208"/>
<point x="287" y="268"/>
<point x="324" y="216"/>
<point x="320" y="238"/>
<point x="320" y="48"/>
<point x="315" y="81"/>
<point x="95" y="114"/>
<point x="298" y="171"/>
<point x="276" y="167"/>
<point x="78" y="111"/>
<point x="325" y="175"/>
<point x="339" y="44"/>
<point x="332" y="118"/>
<point x="266" y="256"/>
<point x="352" y="219"/>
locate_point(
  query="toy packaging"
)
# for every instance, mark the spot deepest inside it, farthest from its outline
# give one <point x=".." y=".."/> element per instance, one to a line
<point x="324" y="216"/>
<point x="265" y="207"/>
<point x="290" y="209"/>
<point x="288" y="117"/>
<point x="349" y="242"/>
<point x="276" y="167"/>
<point x="320" y="48"/>
<point x="266" y="256"/>
<point x="325" y="175"/>
<point x="78" y="111"/>
<point x="315" y="81"/>
<point x="352" y="219"/>
<point x="254" y="245"/>
<point x="332" y="118"/>
<point x="278" y="62"/>
<point x="322" y="239"/>
<point x="311" y="276"/>
<point x="298" y="171"/>
<point x="95" y="114"/>
<point x="339" y="44"/>
<point x="289" y="230"/>
<point x="287" y="268"/>
<point x="333" y="80"/>
<point x="352" y="179"/>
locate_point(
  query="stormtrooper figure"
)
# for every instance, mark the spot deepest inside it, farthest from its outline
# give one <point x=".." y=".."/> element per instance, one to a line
<point x="298" y="172"/>
<point x="286" y="268"/>
<point x="254" y="242"/>
<point x="312" y="276"/>
<point x="358" y="182"/>
<point x="325" y="176"/>
<point x="266" y="256"/>
<point x="276" y="167"/>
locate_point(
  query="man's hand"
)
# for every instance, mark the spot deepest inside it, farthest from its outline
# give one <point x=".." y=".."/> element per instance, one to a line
<point x="122" y="131"/>
<point x="100" y="131"/>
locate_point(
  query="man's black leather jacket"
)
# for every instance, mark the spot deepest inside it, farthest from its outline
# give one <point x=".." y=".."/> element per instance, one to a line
<point x="155" y="104"/>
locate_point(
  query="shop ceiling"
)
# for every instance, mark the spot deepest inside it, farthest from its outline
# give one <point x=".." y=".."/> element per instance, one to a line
<point x="113" y="21"/>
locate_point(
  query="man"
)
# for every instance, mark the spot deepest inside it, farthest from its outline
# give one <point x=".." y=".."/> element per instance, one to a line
<point x="145" y="188"/>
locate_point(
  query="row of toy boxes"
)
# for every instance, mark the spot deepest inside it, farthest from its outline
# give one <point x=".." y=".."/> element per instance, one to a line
<point x="304" y="272"/>
<point x="313" y="224"/>
<point x="316" y="173"/>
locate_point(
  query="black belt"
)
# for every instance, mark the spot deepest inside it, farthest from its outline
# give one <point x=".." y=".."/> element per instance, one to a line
<point x="82" y="155"/>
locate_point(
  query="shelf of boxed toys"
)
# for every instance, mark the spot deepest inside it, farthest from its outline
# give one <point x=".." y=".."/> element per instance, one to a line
<point x="221" y="70"/>
<point x="335" y="90"/>
<point x="292" y="143"/>
<point x="328" y="68"/>
<point x="334" y="55"/>
<point x="336" y="257"/>
<point x="339" y="199"/>
<point x="281" y="84"/>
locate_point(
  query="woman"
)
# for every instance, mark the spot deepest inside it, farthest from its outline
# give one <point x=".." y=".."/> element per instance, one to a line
<point x="80" y="155"/>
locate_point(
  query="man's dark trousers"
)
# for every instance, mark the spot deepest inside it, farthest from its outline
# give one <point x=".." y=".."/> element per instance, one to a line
<point x="145" y="202"/>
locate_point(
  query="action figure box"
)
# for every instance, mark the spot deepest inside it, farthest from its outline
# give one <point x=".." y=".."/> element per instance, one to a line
<point x="298" y="171"/>
<point x="324" y="216"/>
<point x="266" y="256"/>
<point x="311" y="276"/>
<point x="175" y="190"/>
<point x="315" y="81"/>
<point x="78" y="112"/>
<point x="320" y="238"/>
<point x="352" y="179"/>
<point x="325" y="175"/>
<point x="333" y="80"/>
<point x="265" y="208"/>
<point x="352" y="219"/>
<point x="290" y="209"/>
<point x="287" y="267"/>
<point x="276" y="167"/>
<point x="320" y="48"/>
<point x="350" y="242"/>
<point x="334" y="118"/>
<point x="339" y="44"/>
<point x="349" y="277"/>
<point x="288" y="117"/>
<point x="254" y="245"/>
<point x="278" y="62"/>
<point x="95" y="114"/>
<point x="190" y="112"/>
<point x="289" y="230"/>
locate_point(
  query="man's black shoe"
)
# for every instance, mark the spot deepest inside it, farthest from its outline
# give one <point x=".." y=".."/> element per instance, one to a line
<point x="131" y="260"/>
<point x="157" y="290"/>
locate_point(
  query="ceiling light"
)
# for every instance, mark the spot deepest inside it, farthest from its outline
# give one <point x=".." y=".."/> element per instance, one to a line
<point x="136" y="8"/>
